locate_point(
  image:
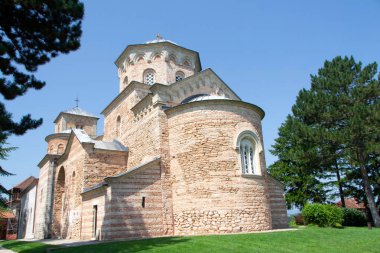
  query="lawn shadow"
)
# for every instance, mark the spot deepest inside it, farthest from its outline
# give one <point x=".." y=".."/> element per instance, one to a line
<point x="27" y="247"/>
<point x="124" y="246"/>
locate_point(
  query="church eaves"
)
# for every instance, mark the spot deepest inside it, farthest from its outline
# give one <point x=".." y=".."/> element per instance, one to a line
<point x="76" y="111"/>
<point x="84" y="138"/>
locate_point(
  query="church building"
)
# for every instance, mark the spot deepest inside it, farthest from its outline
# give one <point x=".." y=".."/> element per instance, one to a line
<point x="181" y="154"/>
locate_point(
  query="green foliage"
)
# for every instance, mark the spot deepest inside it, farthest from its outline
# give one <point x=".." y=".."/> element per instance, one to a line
<point x="332" y="139"/>
<point x="323" y="215"/>
<point x="31" y="33"/>
<point x="297" y="166"/>
<point x="353" y="217"/>
<point x="4" y="194"/>
<point x="296" y="220"/>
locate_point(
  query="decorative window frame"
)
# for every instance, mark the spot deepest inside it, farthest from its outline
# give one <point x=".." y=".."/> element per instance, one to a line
<point x="181" y="74"/>
<point x="249" y="162"/>
<point x="147" y="72"/>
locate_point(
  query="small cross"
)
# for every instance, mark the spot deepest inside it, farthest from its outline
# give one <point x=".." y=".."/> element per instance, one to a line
<point x="158" y="37"/>
<point x="77" y="101"/>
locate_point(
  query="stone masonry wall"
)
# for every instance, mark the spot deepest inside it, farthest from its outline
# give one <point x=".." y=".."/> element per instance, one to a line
<point x="165" y="65"/>
<point x="101" y="164"/>
<point x="97" y="198"/>
<point x="140" y="134"/>
<point x="128" y="218"/>
<point x="121" y="213"/>
<point x="278" y="204"/>
<point x="67" y="207"/>
<point x="83" y="168"/>
<point x="210" y="194"/>
<point x="56" y="145"/>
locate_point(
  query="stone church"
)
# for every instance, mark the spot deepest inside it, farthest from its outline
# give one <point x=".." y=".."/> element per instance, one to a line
<point x="181" y="154"/>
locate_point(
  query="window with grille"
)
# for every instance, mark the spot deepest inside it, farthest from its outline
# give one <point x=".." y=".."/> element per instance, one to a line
<point x="179" y="76"/>
<point x="149" y="77"/>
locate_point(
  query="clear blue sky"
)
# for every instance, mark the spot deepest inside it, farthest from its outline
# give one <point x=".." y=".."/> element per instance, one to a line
<point x="264" y="50"/>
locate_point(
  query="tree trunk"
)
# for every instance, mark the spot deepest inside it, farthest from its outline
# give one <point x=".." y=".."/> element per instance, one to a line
<point x="369" y="195"/>
<point x="340" y="186"/>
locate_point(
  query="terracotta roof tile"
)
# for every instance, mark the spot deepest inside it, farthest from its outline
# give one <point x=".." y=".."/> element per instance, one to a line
<point x="351" y="203"/>
<point x="5" y="214"/>
<point x="24" y="184"/>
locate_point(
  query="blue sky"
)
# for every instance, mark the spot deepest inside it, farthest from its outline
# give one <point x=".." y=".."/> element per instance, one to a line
<point x="264" y="50"/>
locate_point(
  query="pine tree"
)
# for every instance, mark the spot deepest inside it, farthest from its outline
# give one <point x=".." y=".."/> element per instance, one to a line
<point x="31" y="33"/>
<point x="341" y="113"/>
<point x="4" y="194"/>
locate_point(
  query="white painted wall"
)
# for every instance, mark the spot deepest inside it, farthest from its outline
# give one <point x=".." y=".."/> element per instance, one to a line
<point x="27" y="210"/>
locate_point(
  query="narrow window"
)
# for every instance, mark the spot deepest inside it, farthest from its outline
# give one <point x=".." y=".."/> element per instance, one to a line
<point x="247" y="153"/>
<point x="94" y="220"/>
<point x="149" y="77"/>
<point x="118" y="126"/>
<point x="125" y="82"/>
<point x="143" y="202"/>
<point x="179" y="76"/>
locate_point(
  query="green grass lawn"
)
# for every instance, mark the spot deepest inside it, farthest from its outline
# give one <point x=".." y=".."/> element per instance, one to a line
<point x="26" y="247"/>
<point x="308" y="240"/>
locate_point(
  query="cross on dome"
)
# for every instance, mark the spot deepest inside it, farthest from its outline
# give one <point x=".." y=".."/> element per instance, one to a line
<point x="158" y="39"/>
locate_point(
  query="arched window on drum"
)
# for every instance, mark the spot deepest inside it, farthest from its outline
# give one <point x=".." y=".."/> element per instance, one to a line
<point x="249" y="149"/>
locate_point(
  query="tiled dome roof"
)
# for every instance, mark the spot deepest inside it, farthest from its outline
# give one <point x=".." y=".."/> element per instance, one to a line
<point x="79" y="111"/>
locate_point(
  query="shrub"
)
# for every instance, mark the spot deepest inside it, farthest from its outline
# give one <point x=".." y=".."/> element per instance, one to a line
<point x="323" y="215"/>
<point x="292" y="222"/>
<point x="298" y="218"/>
<point x="353" y="217"/>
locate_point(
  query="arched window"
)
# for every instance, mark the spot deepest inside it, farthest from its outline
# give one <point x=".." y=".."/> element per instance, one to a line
<point x="149" y="77"/>
<point x="179" y="76"/>
<point x="118" y="126"/>
<point x="125" y="81"/>
<point x="60" y="149"/>
<point x="249" y="153"/>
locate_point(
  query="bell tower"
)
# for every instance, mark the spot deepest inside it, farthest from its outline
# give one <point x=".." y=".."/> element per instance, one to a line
<point x="157" y="61"/>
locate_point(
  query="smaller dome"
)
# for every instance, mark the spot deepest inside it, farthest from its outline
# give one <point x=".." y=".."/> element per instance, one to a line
<point x="158" y="39"/>
<point x="79" y="111"/>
